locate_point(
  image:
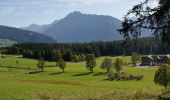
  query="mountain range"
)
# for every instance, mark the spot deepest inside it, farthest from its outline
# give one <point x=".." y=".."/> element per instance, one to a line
<point x="20" y="35"/>
<point x="75" y="27"/>
<point x="39" y="28"/>
<point x="79" y="27"/>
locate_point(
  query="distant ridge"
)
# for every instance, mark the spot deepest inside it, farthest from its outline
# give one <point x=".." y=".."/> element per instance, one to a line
<point x="20" y="35"/>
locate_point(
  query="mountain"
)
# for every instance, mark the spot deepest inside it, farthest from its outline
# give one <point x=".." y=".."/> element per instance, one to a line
<point x="20" y="35"/>
<point x="78" y="27"/>
<point x="38" y="28"/>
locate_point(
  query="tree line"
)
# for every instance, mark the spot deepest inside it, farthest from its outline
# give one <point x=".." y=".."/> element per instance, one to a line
<point x="77" y="52"/>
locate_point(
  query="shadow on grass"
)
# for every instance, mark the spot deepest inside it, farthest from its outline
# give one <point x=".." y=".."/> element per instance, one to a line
<point x="55" y="73"/>
<point x="82" y="74"/>
<point x="51" y="66"/>
<point x="106" y="79"/>
<point x="17" y="67"/>
<point x="34" y="72"/>
<point x="99" y="73"/>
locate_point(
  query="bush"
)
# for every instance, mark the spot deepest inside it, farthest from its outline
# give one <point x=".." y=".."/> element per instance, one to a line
<point x="162" y="75"/>
<point x="110" y="75"/>
<point x="123" y="77"/>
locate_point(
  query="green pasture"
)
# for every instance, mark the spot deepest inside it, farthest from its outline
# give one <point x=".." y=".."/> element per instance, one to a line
<point x="16" y="82"/>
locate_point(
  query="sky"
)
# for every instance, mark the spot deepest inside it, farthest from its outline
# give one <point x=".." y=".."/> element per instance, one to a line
<point x="20" y="13"/>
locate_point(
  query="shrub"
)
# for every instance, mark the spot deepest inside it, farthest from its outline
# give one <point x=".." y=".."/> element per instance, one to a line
<point x="110" y="75"/>
<point x="132" y="77"/>
<point x="162" y="75"/>
<point x="123" y="77"/>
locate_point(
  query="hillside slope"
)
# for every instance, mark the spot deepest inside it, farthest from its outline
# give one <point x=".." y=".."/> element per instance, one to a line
<point x="20" y="35"/>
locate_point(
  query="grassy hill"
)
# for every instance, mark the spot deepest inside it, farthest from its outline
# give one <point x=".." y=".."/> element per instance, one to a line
<point x="6" y="42"/>
<point x="75" y="84"/>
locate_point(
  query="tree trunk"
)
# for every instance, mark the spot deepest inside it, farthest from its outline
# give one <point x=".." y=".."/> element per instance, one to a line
<point x="166" y="87"/>
<point x="134" y="64"/>
<point x="108" y="69"/>
<point x="63" y="70"/>
<point x="92" y="70"/>
<point x="42" y="69"/>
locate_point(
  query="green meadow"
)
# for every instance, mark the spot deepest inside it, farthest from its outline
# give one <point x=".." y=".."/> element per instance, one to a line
<point x="24" y="82"/>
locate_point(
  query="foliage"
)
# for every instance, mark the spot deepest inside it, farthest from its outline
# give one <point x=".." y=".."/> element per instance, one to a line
<point x="110" y="75"/>
<point x="76" y="58"/>
<point x="135" y="57"/>
<point x="62" y="64"/>
<point x="123" y="77"/>
<point x="69" y="51"/>
<point x="118" y="64"/>
<point x="57" y="55"/>
<point x="149" y="17"/>
<point x="90" y="62"/>
<point x="162" y="75"/>
<point x="168" y="61"/>
<point x="107" y="64"/>
<point x="41" y="64"/>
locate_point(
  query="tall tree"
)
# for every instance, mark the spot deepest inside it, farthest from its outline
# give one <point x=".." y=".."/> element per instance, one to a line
<point x="107" y="64"/>
<point x="57" y="55"/>
<point x="135" y="57"/>
<point x="41" y="64"/>
<point x="62" y="65"/>
<point x="156" y="19"/>
<point x="90" y="62"/>
<point x="76" y="58"/>
<point x="118" y="65"/>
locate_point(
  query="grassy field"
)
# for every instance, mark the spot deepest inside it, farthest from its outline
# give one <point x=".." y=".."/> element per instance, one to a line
<point x="6" y="42"/>
<point x="75" y="84"/>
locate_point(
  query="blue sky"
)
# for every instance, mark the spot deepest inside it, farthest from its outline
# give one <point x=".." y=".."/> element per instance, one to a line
<point x="19" y="13"/>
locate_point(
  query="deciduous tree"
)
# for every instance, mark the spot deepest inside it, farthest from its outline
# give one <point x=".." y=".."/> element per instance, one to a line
<point x="57" y="55"/>
<point x="41" y="64"/>
<point x="135" y="57"/>
<point x="118" y="65"/>
<point x="107" y="64"/>
<point x="90" y="62"/>
<point x="62" y="65"/>
<point x="162" y="75"/>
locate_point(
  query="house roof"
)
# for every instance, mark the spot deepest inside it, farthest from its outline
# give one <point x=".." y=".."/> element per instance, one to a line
<point x="168" y="55"/>
<point x="154" y="57"/>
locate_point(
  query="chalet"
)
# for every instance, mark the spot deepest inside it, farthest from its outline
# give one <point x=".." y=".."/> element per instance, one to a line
<point x="154" y="60"/>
